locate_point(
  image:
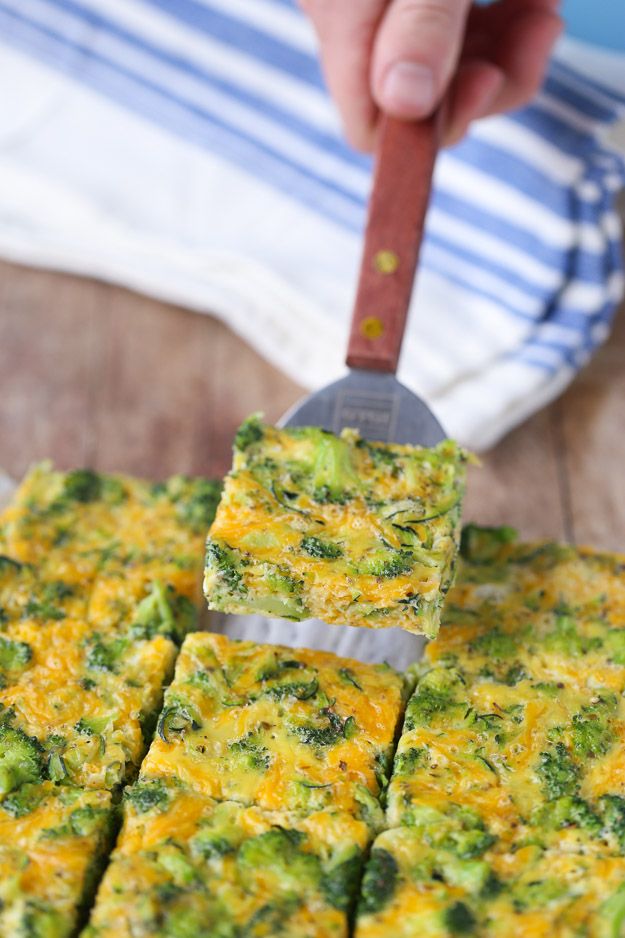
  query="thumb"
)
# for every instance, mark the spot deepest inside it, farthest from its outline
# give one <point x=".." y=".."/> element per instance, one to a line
<point x="416" y="52"/>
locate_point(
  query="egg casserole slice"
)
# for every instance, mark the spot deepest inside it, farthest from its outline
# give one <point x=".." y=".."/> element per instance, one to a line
<point x="353" y="532"/>
<point x="281" y="728"/>
<point x="100" y="577"/>
<point x="187" y="865"/>
<point x="512" y="756"/>
<point x="54" y="841"/>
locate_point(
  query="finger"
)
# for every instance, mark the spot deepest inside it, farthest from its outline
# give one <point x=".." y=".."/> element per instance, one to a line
<point x="346" y="32"/>
<point x="415" y="53"/>
<point x="522" y="54"/>
<point x="474" y="91"/>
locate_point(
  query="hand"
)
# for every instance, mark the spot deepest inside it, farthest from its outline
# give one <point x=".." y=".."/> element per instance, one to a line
<point x="400" y="56"/>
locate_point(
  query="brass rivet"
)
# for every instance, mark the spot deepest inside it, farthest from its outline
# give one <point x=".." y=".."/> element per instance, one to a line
<point x="371" y="327"/>
<point x="386" y="262"/>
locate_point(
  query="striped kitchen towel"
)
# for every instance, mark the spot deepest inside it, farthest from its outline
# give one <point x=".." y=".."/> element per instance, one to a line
<point x="189" y="149"/>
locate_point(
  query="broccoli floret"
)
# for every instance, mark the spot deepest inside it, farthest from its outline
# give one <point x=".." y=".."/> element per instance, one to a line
<point x="44" y="605"/>
<point x="334" y="478"/>
<point x="20" y="757"/>
<point x="458" y="919"/>
<point x="164" y="612"/>
<point x="254" y="754"/>
<point x="250" y="432"/>
<point x="145" y="795"/>
<point x="223" y="560"/>
<point x="483" y="545"/>
<point x="341" y="880"/>
<point x="570" y="811"/>
<point x="23" y="801"/>
<point x="439" y="693"/>
<point x="328" y="733"/>
<point x="103" y="656"/>
<point x="279" y="850"/>
<point x="14" y="655"/>
<point x="379" y="882"/>
<point x="538" y="893"/>
<point x="590" y="737"/>
<point x="558" y="773"/>
<point x="388" y="564"/>
<point x="82" y="485"/>
<point x="414" y="759"/>
<point x="495" y="644"/>
<point x="88" y="819"/>
<point x="324" y="550"/>
<point x="566" y="640"/>
<point x="613" y="809"/>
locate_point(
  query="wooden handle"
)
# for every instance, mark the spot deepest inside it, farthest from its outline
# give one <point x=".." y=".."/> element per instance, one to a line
<point x="397" y="207"/>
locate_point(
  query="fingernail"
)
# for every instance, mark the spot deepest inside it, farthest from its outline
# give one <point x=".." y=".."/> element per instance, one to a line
<point x="408" y="89"/>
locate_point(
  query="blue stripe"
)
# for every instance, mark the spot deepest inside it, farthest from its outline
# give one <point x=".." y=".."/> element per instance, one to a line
<point x="588" y="265"/>
<point x="498" y="163"/>
<point x="245" y="38"/>
<point x="329" y="143"/>
<point x="565" y="71"/>
<point x="585" y="104"/>
<point x="121" y="85"/>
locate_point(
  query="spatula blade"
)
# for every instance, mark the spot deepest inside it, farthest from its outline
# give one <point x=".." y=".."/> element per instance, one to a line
<point x="375" y="404"/>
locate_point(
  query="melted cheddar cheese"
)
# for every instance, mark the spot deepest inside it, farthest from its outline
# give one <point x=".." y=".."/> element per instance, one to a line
<point x="282" y="728"/>
<point x="186" y="865"/>
<point x="352" y="532"/>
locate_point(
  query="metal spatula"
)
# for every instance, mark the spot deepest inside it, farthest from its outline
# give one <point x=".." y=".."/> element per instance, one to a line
<point x="370" y="398"/>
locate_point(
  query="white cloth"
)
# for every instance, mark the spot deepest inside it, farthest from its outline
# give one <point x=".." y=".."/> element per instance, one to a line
<point x="189" y="150"/>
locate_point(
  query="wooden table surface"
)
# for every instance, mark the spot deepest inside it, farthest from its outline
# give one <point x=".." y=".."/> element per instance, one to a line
<point x="95" y="375"/>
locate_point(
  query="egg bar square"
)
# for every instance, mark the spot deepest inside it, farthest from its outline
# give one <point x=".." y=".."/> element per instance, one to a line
<point x="185" y="864"/>
<point x="53" y="845"/>
<point x="350" y="531"/>
<point x="410" y="890"/>
<point x="515" y="731"/>
<point x="278" y="727"/>
<point x="82" y="709"/>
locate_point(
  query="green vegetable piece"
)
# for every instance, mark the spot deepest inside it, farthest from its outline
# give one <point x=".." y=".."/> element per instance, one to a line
<point x="379" y="882"/>
<point x="558" y="773"/>
<point x="250" y="432"/>
<point x="495" y="644"/>
<point x="23" y="801"/>
<point x="481" y="545"/>
<point x="591" y="738"/>
<point x="14" y="655"/>
<point x="176" y="718"/>
<point x="164" y="612"/>
<point x="224" y="561"/>
<point x="613" y="914"/>
<point x="82" y="485"/>
<point x="178" y="866"/>
<point x="342" y="878"/>
<point x="147" y="794"/>
<point x="87" y="820"/>
<point x="20" y="758"/>
<point x="613" y="810"/>
<point x="279" y="850"/>
<point x="458" y="919"/>
<point x="315" y="547"/>
<point x="334" y="477"/>
<point x="438" y="695"/>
